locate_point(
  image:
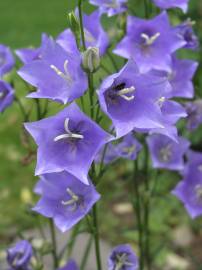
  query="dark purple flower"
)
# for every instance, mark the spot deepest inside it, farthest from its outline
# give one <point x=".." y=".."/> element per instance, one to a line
<point x="129" y="147"/>
<point x="166" y="153"/>
<point x="165" y="4"/>
<point x="111" y="7"/>
<point x="186" y="33"/>
<point x="122" y="257"/>
<point x="194" y="111"/>
<point x="67" y="141"/>
<point x="189" y="190"/>
<point x="6" y="60"/>
<point x="6" y="95"/>
<point x="95" y="36"/>
<point x="71" y="265"/>
<point x="65" y="199"/>
<point x="19" y="256"/>
<point x="147" y="40"/>
<point x="129" y="99"/>
<point x="57" y="75"/>
<point x="27" y="55"/>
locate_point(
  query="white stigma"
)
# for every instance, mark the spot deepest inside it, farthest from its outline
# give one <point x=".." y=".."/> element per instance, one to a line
<point x="68" y="133"/>
<point x="73" y="201"/>
<point x="123" y="93"/>
<point x="122" y="261"/>
<point x="65" y="75"/>
<point x="160" y="101"/>
<point x="150" y="40"/>
<point x="165" y="153"/>
<point x="88" y="36"/>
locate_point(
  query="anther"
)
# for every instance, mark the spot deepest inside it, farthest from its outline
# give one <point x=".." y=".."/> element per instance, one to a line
<point x="65" y="75"/>
<point x="165" y="153"/>
<point x="68" y="133"/>
<point x="160" y="101"/>
<point x="73" y="201"/>
<point x="122" y="261"/>
<point x="123" y="93"/>
<point x="150" y="40"/>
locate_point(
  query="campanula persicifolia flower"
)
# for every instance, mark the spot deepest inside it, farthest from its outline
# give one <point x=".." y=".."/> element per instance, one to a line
<point x="6" y="95"/>
<point x="110" y="7"/>
<point x="122" y="257"/>
<point x="57" y="75"/>
<point x="6" y="60"/>
<point x="166" y="153"/>
<point x="67" y="141"/>
<point x="147" y="40"/>
<point x="165" y="4"/>
<point x="65" y="199"/>
<point x="71" y="265"/>
<point x="19" y="256"/>
<point x="194" y="111"/>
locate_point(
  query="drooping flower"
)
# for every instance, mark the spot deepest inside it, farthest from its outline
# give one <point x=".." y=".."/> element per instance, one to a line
<point x="166" y="153"/>
<point x="57" y="74"/>
<point x="111" y="7"/>
<point x="19" y="256"/>
<point x="189" y="190"/>
<point x="71" y="265"/>
<point x="6" y="95"/>
<point x="147" y="40"/>
<point x="194" y="111"/>
<point x="95" y="36"/>
<point x="179" y="77"/>
<point x="27" y="55"/>
<point x="65" y="199"/>
<point x="166" y="4"/>
<point x="122" y="257"/>
<point x="129" y="100"/>
<point x="6" y="60"/>
<point x="67" y="141"/>
<point x="186" y="33"/>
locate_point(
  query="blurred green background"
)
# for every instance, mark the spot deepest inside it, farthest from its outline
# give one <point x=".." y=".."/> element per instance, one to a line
<point x="21" y="25"/>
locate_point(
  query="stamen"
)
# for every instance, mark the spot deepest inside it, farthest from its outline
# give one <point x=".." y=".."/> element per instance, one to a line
<point x="88" y="36"/>
<point x="122" y="261"/>
<point x="165" y="153"/>
<point x="65" y="75"/>
<point x="198" y="191"/>
<point x="160" y="101"/>
<point x="129" y="149"/>
<point x="69" y="134"/>
<point x="150" y="40"/>
<point x="1" y="95"/>
<point x="73" y="201"/>
<point x="123" y="93"/>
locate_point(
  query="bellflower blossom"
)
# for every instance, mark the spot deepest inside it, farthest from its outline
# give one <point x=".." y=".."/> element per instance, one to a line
<point x="57" y="74"/>
<point x="122" y="257"/>
<point x="71" y="265"/>
<point x="147" y="40"/>
<point x="19" y="256"/>
<point x="6" y="95"/>
<point x="194" y="111"/>
<point x="6" y="60"/>
<point x="165" y="4"/>
<point x="67" y="141"/>
<point x="129" y="100"/>
<point x="64" y="199"/>
<point x="166" y="153"/>
<point x="108" y="154"/>
<point x="27" y="55"/>
<point x="186" y="33"/>
<point x="111" y="7"/>
<point x="189" y="190"/>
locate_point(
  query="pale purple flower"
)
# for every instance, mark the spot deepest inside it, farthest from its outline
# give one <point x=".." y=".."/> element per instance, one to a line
<point x="67" y="141"/>
<point x="129" y="100"/>
<point x="19" y="256"/>
<point x="67" y="40"/>
<point x="65" y="199"/>
<point x="122" y="257"/>
<point x="7" y="61"/>
<point x="108" y="154"/>
<point x="6" y="95"/>
<point x="147" y="41"/>
<point x="166" y="4"/>
<point x="111" y="7"/>
<point x="186" y="33"/>
<point x="71" y="265"/>
<point x="57" y="75"/>
<point x="27" y="55"/>
<point x="166" y="153"/>
<point x="194" y="111"/>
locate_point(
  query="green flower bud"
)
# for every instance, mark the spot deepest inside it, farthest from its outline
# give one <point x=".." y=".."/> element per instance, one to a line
<point x="91" y="59"/>
<point x="74" y="25"/>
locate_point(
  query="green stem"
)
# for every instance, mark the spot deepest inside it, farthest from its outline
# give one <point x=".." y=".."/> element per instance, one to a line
<point x="96" y="238"/>
<point x="113" y="61"/>
<point x="86" y="253"/>
<point x="54" y="243"/>
<point x="81" y="25"/>
<point x="91" y="93"/>
<point x="22" y="109"/>
<point x="38" y="109"/>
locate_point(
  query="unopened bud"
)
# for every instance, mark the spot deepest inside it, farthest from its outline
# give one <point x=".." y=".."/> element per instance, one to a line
<point x="73" y="23"/>
<point x="91" y="59"/>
